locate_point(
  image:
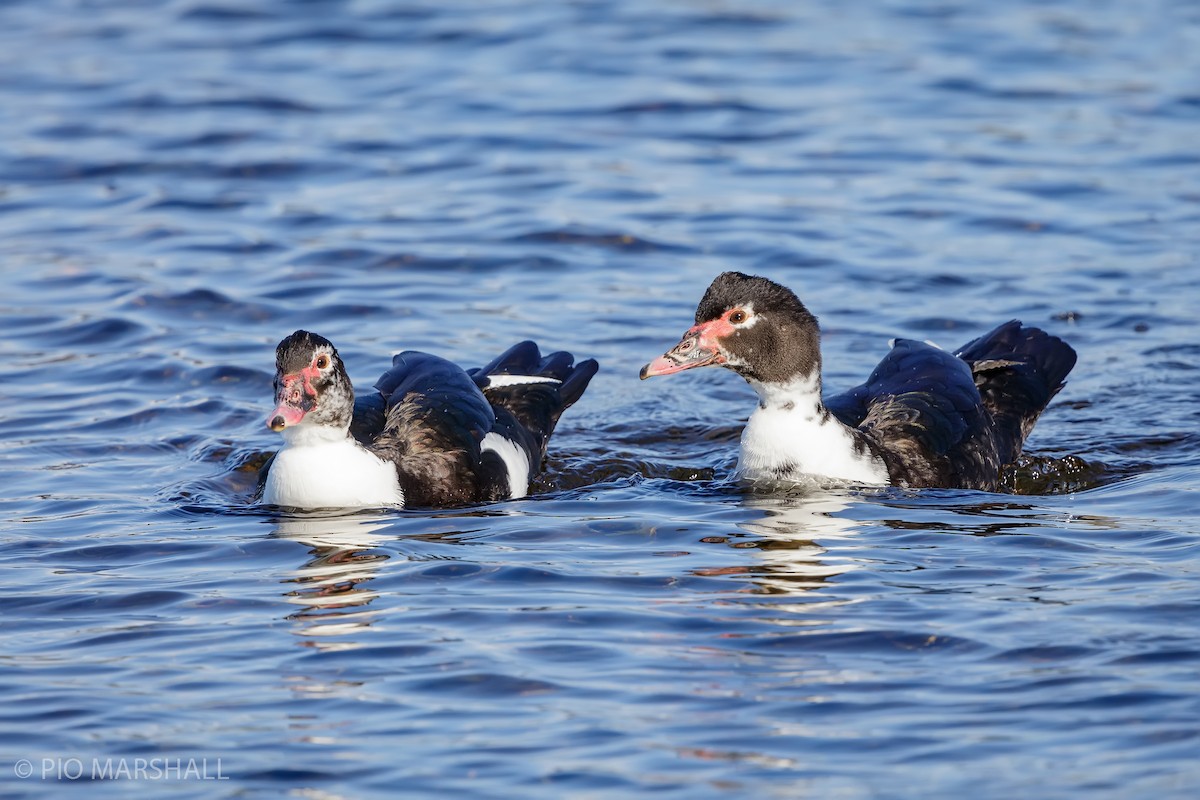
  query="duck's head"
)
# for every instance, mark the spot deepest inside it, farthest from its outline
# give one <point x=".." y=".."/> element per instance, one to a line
<point x="751" y="325"/>
<point x="311" y="385"/>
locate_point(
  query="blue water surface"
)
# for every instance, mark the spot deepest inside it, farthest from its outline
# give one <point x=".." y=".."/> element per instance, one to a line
<point x="184" y="182"/>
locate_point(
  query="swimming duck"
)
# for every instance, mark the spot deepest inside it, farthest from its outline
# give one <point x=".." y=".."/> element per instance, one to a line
<point x="924" y="418"/>
<point x="431" y="434"/>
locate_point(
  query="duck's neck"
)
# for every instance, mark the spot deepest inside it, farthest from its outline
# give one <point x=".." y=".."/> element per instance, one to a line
<point x="792" y="436"/>
<point x="310" y="435"/>
<point x="802" y="393"/>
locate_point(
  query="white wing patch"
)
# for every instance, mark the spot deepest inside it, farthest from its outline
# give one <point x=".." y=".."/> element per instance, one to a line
<point x="515" y="459"/>
<point x="930" y="342"/>
<point x="496" y="381"/>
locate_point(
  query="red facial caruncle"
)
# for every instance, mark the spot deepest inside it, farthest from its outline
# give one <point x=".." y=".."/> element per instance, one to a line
<point x="700" y="346"/>
<point x="295" y="395"/>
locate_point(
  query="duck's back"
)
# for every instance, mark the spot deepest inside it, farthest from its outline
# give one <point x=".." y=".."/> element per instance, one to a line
<point x="923" y="415"/>
<point x="955" y="420"/>
<point x="429" y="419"/>
<point x="459" y="437"/>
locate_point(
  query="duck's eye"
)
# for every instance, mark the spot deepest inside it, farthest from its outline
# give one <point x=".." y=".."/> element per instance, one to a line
<point x="322" y="361"/>
<point x="737" y="317"/>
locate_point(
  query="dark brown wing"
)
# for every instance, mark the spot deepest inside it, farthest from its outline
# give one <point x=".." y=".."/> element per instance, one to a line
<point x="528" y="411"/>
<point x="433" y="420"/>
<point x="1017" y="370"/>
<point x="922" y="414"/>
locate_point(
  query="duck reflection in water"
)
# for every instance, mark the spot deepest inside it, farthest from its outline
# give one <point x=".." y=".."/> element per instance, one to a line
<point x="333" y="586"/>
<point x="786" y="537"/>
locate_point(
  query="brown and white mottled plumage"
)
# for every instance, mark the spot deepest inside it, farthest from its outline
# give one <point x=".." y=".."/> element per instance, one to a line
<point x="924" y="417"/>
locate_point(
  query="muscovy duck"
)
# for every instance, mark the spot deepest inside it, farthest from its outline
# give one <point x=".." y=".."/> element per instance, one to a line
<point x="924" y="417"/>
<point x="432" y="434"/>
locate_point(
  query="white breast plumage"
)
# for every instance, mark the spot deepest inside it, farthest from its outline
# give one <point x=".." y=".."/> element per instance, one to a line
<point x="314" y="470"/>
<point x="791" y="437"/>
